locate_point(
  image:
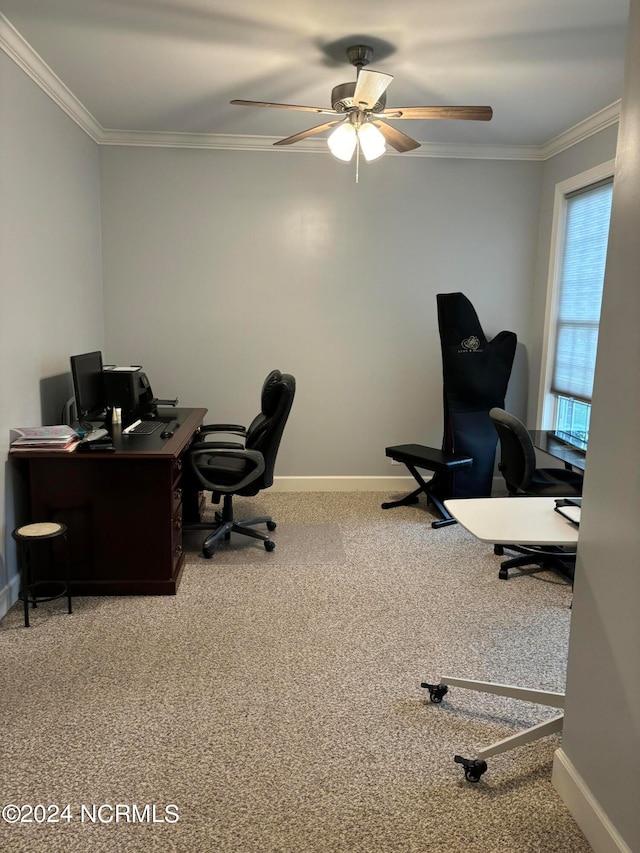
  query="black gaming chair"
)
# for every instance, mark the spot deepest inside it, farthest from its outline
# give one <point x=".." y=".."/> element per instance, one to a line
<point x="227" y="468"/>
<point x="518" y="467"/>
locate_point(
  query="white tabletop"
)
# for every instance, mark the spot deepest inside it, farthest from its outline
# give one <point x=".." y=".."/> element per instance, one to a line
<point x="517" y="521"/>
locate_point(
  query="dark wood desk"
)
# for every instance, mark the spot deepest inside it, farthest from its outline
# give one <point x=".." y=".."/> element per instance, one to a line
<point x="123" y="509"/>
<point x="544" y="440"/>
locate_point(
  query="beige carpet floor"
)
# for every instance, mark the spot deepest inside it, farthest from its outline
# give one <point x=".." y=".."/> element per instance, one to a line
<point x="276" y="701"/>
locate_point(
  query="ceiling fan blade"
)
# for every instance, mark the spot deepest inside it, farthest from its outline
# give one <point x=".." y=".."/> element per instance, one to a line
<point x="396" y="138"/>
<point x="285" y="107"/>
<point x="310" y="132"/>
<point x="466" y="113"/>
<point x="369" y="87"/>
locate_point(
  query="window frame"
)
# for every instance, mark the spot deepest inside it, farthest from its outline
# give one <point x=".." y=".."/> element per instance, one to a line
<point x="547" y="400"/>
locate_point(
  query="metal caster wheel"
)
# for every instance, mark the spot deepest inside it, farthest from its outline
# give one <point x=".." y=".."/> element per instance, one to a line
<point x="473" y="767"/>
<point x="269" y="545"/>
<point x="271" y="525"/>
<point x="436" y="691"/>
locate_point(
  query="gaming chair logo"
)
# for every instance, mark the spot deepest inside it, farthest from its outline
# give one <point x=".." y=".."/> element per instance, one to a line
<point x="470" y="344"/>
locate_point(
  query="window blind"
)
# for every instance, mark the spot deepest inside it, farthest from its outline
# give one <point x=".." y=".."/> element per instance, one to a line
<point x="584" y="254"/>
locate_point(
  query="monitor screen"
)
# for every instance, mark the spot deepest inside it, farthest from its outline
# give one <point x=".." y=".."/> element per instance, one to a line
<point x="88" y="385"/>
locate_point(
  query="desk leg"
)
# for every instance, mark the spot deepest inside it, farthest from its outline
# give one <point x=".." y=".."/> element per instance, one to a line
<point x="475" y="767"/>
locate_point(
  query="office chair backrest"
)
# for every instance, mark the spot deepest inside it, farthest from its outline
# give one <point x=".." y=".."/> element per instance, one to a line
<point x="265" y="431"/>
<point x="517" y="453"/>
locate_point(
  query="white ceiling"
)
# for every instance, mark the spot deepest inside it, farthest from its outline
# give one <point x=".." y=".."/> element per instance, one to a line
<point x="172" y="66"/>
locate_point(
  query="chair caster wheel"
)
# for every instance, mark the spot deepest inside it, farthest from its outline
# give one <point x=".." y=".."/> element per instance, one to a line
<point x="473" y="768"/>
<point x="269" y="545"/>
<point x="498" y="550"/>
<point x="271" y="525"/>
<point x="503" y="574"/>
<point x="207" y="553"/>
<point x="436" y="691"/>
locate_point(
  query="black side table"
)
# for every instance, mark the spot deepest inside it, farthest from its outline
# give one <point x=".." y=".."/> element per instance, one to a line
<point x="30" y="539"/>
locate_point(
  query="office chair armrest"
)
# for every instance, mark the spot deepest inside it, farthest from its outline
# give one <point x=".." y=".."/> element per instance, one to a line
<point x="205" y="451"/>
<point x="214" y="445"/>
<point x="236" y="429"/>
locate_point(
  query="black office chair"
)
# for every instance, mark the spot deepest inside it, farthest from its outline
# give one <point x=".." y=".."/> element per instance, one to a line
<point x="522" y="477"/>
<point x="228" y="468"/>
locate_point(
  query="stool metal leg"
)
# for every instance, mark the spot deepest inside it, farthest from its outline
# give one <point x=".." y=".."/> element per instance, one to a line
<point x="68" y="570"/>
<point x="25" y="580"/>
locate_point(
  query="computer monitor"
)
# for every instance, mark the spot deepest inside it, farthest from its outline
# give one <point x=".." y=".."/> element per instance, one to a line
<point x="88" y="385"/>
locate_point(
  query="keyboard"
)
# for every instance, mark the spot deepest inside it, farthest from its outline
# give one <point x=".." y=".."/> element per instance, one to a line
<point x="145" y="428"/>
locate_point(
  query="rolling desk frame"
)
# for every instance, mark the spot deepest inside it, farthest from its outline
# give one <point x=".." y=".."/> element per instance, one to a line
<point x="529" y="521"/>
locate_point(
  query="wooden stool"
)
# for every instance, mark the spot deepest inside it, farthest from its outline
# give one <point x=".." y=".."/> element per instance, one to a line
<point x="440" y="462"/>
<point x="32" y="590"/>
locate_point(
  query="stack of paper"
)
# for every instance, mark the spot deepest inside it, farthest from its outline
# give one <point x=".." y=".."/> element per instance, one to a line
<point x="60" y="437"/>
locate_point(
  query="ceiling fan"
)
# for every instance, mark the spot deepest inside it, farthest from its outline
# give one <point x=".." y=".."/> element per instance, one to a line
<point x="361" y="113"/>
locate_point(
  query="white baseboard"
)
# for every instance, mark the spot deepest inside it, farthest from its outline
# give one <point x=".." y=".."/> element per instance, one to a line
<point x="344" y="484"/>
<point x="585" y="809"/>
<point x="357" y="484"/>
<point x="9" y="595"/>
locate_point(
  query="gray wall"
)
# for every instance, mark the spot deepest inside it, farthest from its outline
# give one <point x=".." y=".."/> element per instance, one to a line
<point x="50" y="268"/>
<point x="602" y="725"/>
<point x="220" y="265"/>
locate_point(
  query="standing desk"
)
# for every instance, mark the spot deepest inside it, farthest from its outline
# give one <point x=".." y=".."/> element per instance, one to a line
<point x="502" y="521"/>
<point x="124" y="510"/>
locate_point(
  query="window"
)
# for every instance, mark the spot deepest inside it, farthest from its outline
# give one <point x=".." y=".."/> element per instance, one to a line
<point x="580" y="234"/>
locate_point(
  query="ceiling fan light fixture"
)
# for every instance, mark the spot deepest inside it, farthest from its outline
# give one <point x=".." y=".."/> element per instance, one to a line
<point x="358" y="112"/>
<point x="342" y="141"/>
<point x="372" y="142"/>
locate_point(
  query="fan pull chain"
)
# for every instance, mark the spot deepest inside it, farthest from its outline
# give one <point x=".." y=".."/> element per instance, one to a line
<point x="357" y="160"/>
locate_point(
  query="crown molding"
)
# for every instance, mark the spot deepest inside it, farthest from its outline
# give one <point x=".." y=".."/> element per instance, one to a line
<point x="583" y="130"/>
<point x="154" y="139"/>
<point x="15" y="46"/>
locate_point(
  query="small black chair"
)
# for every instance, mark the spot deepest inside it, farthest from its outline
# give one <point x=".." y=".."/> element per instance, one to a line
<point x="227" y="468"/>
<point x="522" y="477"/>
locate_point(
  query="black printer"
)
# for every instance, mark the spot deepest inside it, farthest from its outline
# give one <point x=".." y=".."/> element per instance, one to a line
<point x="128" y="389"/>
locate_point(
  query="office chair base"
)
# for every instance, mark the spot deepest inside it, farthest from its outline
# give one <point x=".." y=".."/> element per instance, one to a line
<point x="223" y="530"/>
<point x="224" y="524"/>
<point x="537" y="560"/>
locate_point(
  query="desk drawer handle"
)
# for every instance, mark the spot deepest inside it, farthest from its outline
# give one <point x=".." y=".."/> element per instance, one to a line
<point x="179" y="464"/>
<point x="177" y="523"/>
<point x="177" y="495"/>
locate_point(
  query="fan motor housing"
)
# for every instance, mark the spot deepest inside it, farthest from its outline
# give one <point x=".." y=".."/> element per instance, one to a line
<point x="342" y="98"/>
